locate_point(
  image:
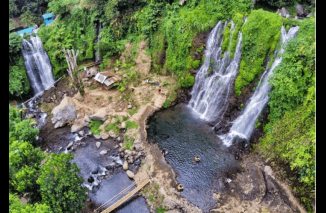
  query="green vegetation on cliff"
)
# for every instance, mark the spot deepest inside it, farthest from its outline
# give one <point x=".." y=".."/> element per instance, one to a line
<point x="260" y="35"/>
<point x="290" y="133"/>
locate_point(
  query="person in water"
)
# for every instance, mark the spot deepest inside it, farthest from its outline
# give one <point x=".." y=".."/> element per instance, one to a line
<point x="196" y="159"/>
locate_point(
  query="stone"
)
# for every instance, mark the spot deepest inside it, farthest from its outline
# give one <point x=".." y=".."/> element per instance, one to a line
<point x="299" y="10"/>
<point x="129" y="106"/>
<point x="130" y="174"/>
<point x="104" y="152"/>
<point x="112" y="120"/>
<point x="97" y="136"/>
<point x="120" y="144"/>
<point x="104" y="135"/>
<point x="112" y="134"/>
<point x="79" y="97"/>
<point x="118" y="139"/>
<point x="63" y="113"/>
<point x="116" y="146"/>
<point x="268" y="170"/>
<point x="70" y="145"/>
<point x="90" y="72"/>
<point x="124" y="75"/>
<point x="81" y="133"/>
<point x="100" y="114"/>
<point x="123" y="125"/>
<point x="86" y="119"/>
<point x="98" y="144"/>
<point x="122" y="149"/>
<point x="78" y="126"/>
<point x="125" y="166"/>
<point x="180" y="187"/>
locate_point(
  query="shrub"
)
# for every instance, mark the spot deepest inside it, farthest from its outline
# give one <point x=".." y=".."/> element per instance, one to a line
<point x="95" y="127"/>
<point x="186" y="81"/>
<point x="195" y="64"/>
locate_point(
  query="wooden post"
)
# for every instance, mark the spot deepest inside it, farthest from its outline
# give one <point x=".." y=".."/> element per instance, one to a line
<point x="71" y="58"/>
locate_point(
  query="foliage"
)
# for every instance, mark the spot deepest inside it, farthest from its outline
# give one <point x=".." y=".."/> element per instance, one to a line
<point x="132" y="111"/>
<point x="186" y="81"/>
<point x="290" y="133"/>
<point x="238" y="22"/>
<point x="18" y="79"/>
<point x="36" y="8"/>
<point x="95" y="126"/>
<point x="75" y="29"/>
<point x="60" y="184"/>
<point x="24" y="162"/>
<point x="195" y="64"/>
<point x="113" y="126"/>
<point x="226" y="37"/>
<point x="261" y="33"/>
<point x="131" y="125"/>
<point x="15" y="206"/>
<point x="28" y="19"/>
<point x="15" y="41"/>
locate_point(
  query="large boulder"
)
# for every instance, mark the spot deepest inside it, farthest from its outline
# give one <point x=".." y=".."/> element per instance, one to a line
<point x="299" y="10"/>
<point x="63" y="113"/>
<point x="100" y="114"/>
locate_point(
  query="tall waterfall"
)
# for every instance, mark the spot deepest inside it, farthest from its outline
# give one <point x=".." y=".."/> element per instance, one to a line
<point x="243" y="126"/>
<point x="37" y="63"/>
<point x="213" y="81"/>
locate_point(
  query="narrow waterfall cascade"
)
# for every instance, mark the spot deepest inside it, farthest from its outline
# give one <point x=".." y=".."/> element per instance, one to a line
<point x="213" y="81"/>
<point x="37" y="63"/>
<point x="243" y="126"/>
<point x="97" y="54"/>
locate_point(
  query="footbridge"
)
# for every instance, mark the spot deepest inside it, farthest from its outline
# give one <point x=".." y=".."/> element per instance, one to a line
<point x="124" y="195"/>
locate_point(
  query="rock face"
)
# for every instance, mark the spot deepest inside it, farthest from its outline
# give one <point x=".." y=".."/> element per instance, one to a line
<point x="63" y="113"/>
<point x="100" y="115"/>
<point x="125" y="166"/>
<point x="130" y="174"/>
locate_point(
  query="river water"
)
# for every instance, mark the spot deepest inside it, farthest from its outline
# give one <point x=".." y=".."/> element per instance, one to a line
<point x="185" y="135"/>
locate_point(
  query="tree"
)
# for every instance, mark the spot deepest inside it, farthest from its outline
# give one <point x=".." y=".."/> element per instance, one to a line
<point x="15" y="206"/>
<point x="60" y="184"/>
<point x="24" y="162"/>
<point x="71" y="58"/>
<point x="15" y="41"/>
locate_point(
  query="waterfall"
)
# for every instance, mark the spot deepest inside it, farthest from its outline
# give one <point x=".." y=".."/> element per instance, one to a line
<point x="210" y="92"/>
<point x="37" y="63"/>
<point x="243" y="126"/>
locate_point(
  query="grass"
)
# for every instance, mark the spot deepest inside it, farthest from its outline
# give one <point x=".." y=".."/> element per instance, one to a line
<point x="110" y="98"/>
<point x="92" y="87"/>
<point x="47" y="108"/>
<point x="131" y="125"/>
<point x="132" y="111"/>
<point x="148" y="167"/>
<point x="95" y="127"/>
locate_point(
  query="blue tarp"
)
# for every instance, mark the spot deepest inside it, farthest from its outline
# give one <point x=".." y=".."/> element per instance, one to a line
<point x="26" y="30"/>
<point x="48" y="18"/>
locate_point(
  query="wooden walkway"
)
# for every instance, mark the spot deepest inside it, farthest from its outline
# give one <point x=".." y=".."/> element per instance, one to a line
<point x="114" y="200"/>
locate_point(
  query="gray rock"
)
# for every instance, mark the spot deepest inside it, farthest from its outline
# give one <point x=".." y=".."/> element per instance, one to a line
<point x="78" y="126"/>
<point x="129" y="106"/>
<point x="98" y="144"/>
<point x="63" y="113"/>
<point x="125" y="165"/>
<point x="100" y="114"/>
<point x="118" y="139"/>
<point x="112" y="134"/>
<point x="120" y="144"/>
<point x="104" y="152"/>
<point x="299" y="10"/>
<point x="116" y="146"/>
<point x="283" y="12"/>
<point x="130" y="174"/>
<point x="122" y="149"/>
<point x="268" y="170"/>
<point x="97" y="136"/>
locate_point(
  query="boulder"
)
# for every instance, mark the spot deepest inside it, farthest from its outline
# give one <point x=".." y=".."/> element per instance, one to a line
<point x="104" y="135"/>
<point x="100" y="114"/>
<point x="98" y="144"/>
<point x="129" y="106"/>
<point x="63" y="113"/>
<point x="81" y="133"/>
<point x="130" y="174"/>
<point x="299" y="10"/>
<point x="104" y="152"/>
<point x="79" y="97"/>
<point x="125" y="166"/>
<point x="78" y="125"/>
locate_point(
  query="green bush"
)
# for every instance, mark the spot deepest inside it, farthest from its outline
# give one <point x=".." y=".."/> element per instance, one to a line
<point x="195" y="64"/>
<point x="131" y="125"/>
<point x="186" y="81"/>
<point x="261" y="33"/>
